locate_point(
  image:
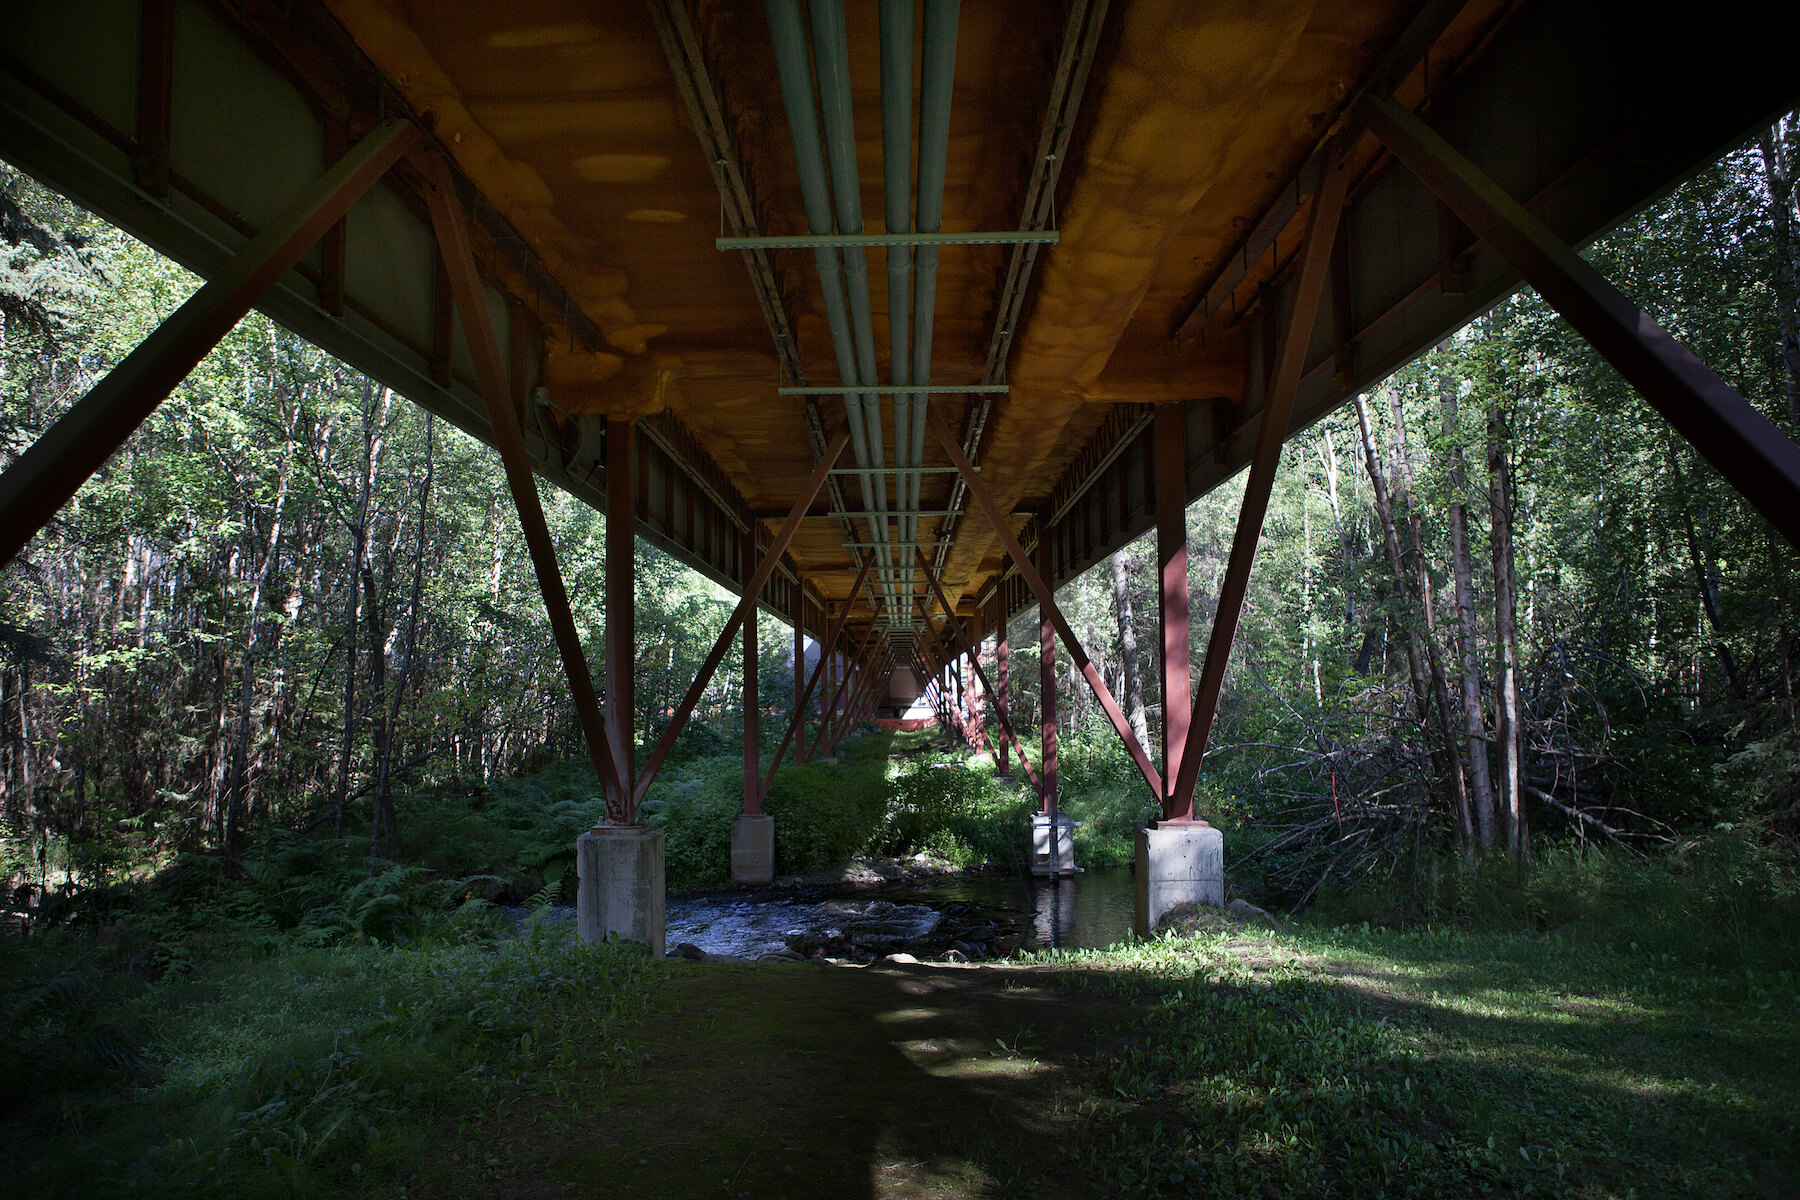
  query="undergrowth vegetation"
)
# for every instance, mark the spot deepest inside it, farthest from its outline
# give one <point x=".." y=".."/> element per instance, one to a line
<point x="1354" y="1060"/>
<point x="298" y="1072"/>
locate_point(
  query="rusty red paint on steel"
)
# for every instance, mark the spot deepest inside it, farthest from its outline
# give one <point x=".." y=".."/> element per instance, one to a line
<point x="1747" y="448"/>
<point x="621" y="616"/>
<point x="1046" y="600"/>
<point x="1006" y="728"/>
<point x="799" y="677"/>
<point x="1002" y="672"/>
<point x="752" y="726"/>
<point x="826" y="722"/>
<point x="1170" y="451"/>
<point x="1005" y="723"/>
<point x="797" y="723"/>
<point x="1315" y="258"/>
<point x="746" y="606"/>
<point x="54" y="467"/>
<point x="453" y="238"/>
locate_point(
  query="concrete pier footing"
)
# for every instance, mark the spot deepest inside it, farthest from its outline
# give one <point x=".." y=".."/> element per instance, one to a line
<point x="1177" y="863"/>
<point x="753" y="848"/>
<point x="1053" y="843"/>
<point x="622" y="887"/>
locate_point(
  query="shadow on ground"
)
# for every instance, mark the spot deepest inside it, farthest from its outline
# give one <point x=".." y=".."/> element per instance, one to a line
<point x="901" y="1080"/>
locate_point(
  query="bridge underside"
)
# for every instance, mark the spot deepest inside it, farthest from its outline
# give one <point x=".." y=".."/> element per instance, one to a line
<point x="890" y="317"/>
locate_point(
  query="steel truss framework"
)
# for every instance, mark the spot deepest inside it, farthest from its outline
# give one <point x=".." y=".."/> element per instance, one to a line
<point x="1331" y="309"/>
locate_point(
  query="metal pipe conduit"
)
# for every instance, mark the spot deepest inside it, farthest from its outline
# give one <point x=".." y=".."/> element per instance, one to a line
<point x="787" y="34"/>
<point x="937" y="80"/>
<point x="896" y="175"/>
<point x="831" y="67"/>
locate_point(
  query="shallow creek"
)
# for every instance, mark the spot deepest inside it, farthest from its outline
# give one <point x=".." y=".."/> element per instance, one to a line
<point x="977" y="916"/>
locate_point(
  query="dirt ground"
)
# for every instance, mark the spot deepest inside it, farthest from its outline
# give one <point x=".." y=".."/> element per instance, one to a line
<point x="802" y="1080"/>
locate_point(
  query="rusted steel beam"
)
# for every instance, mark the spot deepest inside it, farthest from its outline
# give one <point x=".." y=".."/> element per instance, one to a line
<point x="1748" y="449"/>
<point x="1170" y="441"/>
<point x="828" y="720"/>
<point x="1003" y="673"/>
<point x="797" y="725"/>
<point x="744" y="612"/>
<point x="1290" y="358"/>
<point x="799" y="719"/>
<point x="1006" y="729"/>
<point x="752" y="713"/>
<point x="621" y="616"/>
<point x="1047" y="600"/>
<point x="1047" y="729"/>
<point x="54" y="467"/>
<point x="155" y="96"/>
<point x="334" y="242"/>
<point x="453" y="239"/>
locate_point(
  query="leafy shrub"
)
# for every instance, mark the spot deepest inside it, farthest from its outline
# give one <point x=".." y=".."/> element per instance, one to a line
<point x="957" y="812"/>
<point x="1728" y="897"/>
<point x="1109" y="819"/>
<point x="824" y="814"/>
<point x="695" y="804"/>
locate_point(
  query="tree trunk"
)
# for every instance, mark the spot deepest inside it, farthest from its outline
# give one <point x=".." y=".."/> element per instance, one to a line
<point x="1128" y="647"/>
<point x="1706" y="574"/>
<point x="237" y="805"/>
<point x="1509" y="710"/>
<point x="1328" y="459"/>
<point x="359" y="540"/>
<point x="1481" y="790"/>
<point x="1444" y="758"/>
<point x="1778" y="179"/>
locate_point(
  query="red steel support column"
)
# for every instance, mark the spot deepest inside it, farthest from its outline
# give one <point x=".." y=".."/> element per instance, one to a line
<point x="799" y="676"/>
<point x="54" y="467"/>
<point x="1006" y="727"/>
<point x="1047" y="732"/>
<point x="752" y="702"/>
<point x="744" y="613"/>
<point x="1003" y="672"/>
<point x="1170" y="441"/>
<point x="1046" y="599"/>
<point x="621" y="614"/>
<point x="1747" y="448"/>
<point x="1315" y="258"/>
<point x="795" y="726"/>
<point x="464" y="285"/>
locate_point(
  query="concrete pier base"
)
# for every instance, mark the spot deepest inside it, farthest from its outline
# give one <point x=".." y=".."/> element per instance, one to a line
<point x="1177" y="864"/>
<point x="1053" y="843"/>
<point x="753" y="848"/>
<point x="621" y="888"/>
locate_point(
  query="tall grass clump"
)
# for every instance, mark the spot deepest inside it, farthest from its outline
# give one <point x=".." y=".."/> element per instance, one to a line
<point x="321" y="1071"/>
<point x="1727" y="898"/>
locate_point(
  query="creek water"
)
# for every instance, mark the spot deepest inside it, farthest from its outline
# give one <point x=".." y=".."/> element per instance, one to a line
<point x="1092" y="909"/>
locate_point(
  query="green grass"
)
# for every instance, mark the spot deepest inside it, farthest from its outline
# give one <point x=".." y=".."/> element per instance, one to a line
<point x="1361" y="1061"/>
<point x="328" y="1072"/>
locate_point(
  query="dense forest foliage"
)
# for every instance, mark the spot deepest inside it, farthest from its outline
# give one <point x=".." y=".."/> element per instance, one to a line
<point x="1497" y="602"/>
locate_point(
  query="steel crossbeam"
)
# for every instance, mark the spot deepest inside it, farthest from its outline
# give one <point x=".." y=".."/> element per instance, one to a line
<point x="1747" y="448"/>
<point x="745" y="609"/>
<point x="64" y="456"/>
<point x="1278" y="404"/>
<point x="797" y="724"/>
<point x="1047" y="601"/>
